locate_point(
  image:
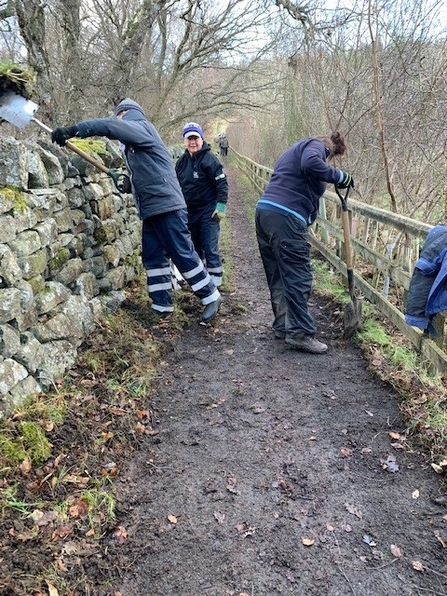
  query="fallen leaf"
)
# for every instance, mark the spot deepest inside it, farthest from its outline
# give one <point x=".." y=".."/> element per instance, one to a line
<point x="139" y="428"/>
<point x="172" y="519"/>
<point x="142" y="414"/>
<point x="120" y="534"/>
<point x="443" y="463"/>
<point x="346" y="452"/>
<point x="397" y="445"/>
<point x="52" y="590"/>
<point x="42" y="519"/>
<point x="395" y="551"/>
<point x="369" y="413"/>
<point x="79" y="480"/>
<point x="368" y="540"/>
<point x="390" y="464"/>
<point x="308" y="541"/>
<point x="28" y="535"/>
<point x="219" y="516"/>
<point x="329" y="528"/>
<point x="61" y="532"/>
<point x="437" y="469"/>
<point x="353" y="510"/>
<point x="79" y="509"/>
<point x="25" y="466"/>
<point x="417" y="565"/>
<point x="394" y="435"/>
<point x="415" y="494"/>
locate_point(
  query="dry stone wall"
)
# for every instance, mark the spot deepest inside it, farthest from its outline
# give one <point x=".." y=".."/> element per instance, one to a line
<point x="69" y="244"/>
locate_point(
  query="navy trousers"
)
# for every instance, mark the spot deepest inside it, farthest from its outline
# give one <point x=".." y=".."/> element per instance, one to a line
<point x="166" y="236"/>
<point x="205" y="232"/>
<point x="285" y="251"/>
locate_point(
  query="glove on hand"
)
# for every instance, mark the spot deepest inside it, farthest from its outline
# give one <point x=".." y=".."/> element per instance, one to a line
<point x="124" y="185"/>
<point x="61" y="135"/>
<point x="220" y="210"/>
<point x="345" y="180"/>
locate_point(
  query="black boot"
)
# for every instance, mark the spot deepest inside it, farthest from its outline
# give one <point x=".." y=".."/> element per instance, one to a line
<point x="211" y="310"/>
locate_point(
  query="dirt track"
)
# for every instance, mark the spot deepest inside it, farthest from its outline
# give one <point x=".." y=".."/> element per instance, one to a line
<point x="274" y="472"/>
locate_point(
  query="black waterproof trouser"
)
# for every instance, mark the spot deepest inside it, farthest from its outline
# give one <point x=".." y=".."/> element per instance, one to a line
<point x="284" y="246"/>
<point x="205" y="233"/>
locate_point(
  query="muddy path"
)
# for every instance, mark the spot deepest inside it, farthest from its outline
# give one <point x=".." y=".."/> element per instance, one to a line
<point x="273" y="471"/>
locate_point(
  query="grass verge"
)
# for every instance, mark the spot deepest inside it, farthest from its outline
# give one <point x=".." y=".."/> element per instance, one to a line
<point x="61" y="453"/>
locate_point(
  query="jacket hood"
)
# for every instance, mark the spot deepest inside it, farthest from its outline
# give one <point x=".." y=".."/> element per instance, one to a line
<point x="129" y="104"/>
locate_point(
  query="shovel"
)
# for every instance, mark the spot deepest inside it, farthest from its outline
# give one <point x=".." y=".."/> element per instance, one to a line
<point x="19" y="111"/>
<point x="353" y="309"/>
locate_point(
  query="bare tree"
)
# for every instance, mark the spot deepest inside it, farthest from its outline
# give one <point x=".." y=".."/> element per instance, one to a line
<point x="162" y="52"/>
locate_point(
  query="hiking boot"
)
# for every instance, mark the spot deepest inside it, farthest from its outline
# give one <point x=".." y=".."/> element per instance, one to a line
<point x="307" y="344"/>
<point x="211" y="310"/>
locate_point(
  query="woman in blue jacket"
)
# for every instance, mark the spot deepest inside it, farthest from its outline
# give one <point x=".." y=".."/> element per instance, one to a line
<point x="160" y="203"/>
<point x="287" y="208"/>
<point x="205" y="189"/>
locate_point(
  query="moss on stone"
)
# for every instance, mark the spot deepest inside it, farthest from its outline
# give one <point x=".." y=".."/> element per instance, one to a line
<point x="59" y="260"/>
<point x="94" y="147"/>
<point x="17" y="78"/>
<point x="13" y="194"/>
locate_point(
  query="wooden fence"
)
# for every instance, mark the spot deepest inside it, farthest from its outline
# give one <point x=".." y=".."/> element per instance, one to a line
<point x="385" y="248"/>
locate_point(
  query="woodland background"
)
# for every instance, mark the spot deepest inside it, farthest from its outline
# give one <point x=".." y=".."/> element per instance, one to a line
<point x="266" y="71"/>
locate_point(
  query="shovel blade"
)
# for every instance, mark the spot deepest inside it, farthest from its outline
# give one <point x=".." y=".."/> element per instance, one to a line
<point x="16" y="109"/>
<point x="353" y="317"/>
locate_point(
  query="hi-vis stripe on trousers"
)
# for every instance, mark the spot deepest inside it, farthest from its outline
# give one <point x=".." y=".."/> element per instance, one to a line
<point x="165" y="237"/>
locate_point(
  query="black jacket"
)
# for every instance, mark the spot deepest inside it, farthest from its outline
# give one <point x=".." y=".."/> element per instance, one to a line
<point x="202" y="178"/>
<point x="154" y="184"/>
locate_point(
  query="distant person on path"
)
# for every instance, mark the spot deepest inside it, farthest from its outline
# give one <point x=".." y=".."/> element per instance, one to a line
<point x="223" y="145"/>
<point x="287" y="208"/>
<point x="160" y="203"/>
<point x="205" y="188"/>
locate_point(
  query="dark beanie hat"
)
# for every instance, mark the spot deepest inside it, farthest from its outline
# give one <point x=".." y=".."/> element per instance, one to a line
<point x="128" y="104"/>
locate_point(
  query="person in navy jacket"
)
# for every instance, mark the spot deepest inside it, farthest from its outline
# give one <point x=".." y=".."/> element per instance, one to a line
<point x="287" y="208"/>
<point x="205" y="188"/>
<point x="160" y="204"/>
<point x="427" y="294"/>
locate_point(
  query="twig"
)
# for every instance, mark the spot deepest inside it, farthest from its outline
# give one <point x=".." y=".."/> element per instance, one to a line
<point x="339" y="565"/>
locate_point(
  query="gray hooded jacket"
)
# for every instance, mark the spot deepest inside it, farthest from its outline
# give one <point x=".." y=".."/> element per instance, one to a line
<point x="155" y="186"/>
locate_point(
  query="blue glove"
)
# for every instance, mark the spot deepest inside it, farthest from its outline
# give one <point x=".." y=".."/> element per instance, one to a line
<point x="61" y="135"/>
<point x="220" y="210"/>
<point x="345" y="180"/>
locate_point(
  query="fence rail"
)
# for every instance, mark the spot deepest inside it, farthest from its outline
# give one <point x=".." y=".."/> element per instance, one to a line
<point x="385" y="248"/>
